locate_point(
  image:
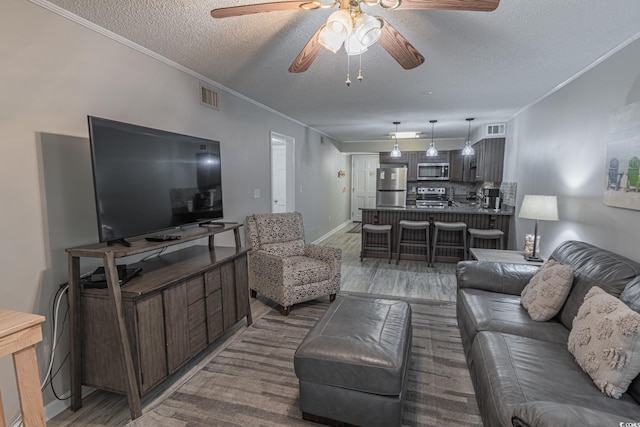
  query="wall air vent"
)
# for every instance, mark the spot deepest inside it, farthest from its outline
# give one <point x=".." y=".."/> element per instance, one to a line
<point x="495" y="130"/>
<point x="208" y="97"/>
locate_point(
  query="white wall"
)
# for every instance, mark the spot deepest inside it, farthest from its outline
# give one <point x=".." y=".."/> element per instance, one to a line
<point x="54" y="73"/>
<point x="558" y="147"/>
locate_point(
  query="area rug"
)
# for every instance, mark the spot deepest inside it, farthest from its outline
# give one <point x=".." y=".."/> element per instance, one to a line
<point x="252" y="381"/>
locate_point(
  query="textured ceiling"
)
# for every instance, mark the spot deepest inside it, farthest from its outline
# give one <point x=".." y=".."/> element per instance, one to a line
<point x="487" y="65"/>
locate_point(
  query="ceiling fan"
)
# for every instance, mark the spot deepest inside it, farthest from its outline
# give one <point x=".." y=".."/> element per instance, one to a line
<point x="350" y="26"/>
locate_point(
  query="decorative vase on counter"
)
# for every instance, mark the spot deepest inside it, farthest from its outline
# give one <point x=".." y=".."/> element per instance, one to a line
<point x="528" y="245"/>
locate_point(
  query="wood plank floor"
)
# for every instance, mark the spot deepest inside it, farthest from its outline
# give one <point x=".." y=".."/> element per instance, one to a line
<point x="412" y="279"/>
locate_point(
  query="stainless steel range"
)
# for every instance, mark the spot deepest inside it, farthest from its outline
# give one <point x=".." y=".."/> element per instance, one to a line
<point x="431" y="197"/>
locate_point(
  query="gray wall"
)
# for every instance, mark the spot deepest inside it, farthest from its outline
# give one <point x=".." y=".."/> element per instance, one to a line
<point x="558" y="147"/>
<point x="56" y="72"/>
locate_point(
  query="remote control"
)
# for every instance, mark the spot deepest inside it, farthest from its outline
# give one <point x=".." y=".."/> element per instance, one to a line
<point x="162" y="238"/>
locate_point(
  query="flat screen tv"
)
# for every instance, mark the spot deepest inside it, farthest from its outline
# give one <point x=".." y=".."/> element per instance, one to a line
<point x="148" y="180"/>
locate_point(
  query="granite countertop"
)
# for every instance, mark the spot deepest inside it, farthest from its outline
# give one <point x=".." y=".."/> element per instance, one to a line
<point x="462" y="208"/>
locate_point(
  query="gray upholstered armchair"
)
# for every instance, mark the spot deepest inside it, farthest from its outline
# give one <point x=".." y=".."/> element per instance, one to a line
<point x="283" y="267"/>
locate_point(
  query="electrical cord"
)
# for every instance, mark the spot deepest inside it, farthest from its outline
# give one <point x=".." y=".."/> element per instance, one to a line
<point x="53" y="376"/>
<point x="62" y="289"/>
<point x="153" y="254"/>
<point x="48" y="378"/>
<point x="58" y="297"/>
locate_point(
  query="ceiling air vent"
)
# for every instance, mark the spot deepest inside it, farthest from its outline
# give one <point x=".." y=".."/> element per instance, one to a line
<point x="496" y="130"/>
<point x="208" y="97"/>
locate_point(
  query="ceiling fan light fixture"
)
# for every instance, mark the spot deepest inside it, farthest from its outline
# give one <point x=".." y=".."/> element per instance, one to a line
<point x="329" y="40"/>
<point x="353" y="46"/>
<point x="339" y="22"/>
<point x="336" y="31"/>
<point x="367" y="29"/>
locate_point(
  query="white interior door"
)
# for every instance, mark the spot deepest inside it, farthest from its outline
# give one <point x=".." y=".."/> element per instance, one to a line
<point x="363" y="185"/>
<point x="282" y="181"/>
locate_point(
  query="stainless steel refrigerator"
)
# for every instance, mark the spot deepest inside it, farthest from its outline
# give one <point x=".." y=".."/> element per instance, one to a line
<point x="391" y="188"/>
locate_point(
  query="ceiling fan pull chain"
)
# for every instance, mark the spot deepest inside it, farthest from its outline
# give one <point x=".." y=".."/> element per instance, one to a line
<point x="348" y="81"/>
<point x="360" y="69"/>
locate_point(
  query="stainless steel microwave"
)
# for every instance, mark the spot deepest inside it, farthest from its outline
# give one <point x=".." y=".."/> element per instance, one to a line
<point x="433" y="171"/>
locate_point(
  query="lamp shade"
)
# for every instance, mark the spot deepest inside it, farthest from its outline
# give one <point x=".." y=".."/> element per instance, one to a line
<point x="544" y="208"/>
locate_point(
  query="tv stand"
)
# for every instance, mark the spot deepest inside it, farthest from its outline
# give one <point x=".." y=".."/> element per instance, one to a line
<point x="130" y="338"/>
<point x="122" y="242"/>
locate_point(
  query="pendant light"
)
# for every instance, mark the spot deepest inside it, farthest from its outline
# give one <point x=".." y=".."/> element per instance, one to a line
<point x="468" y="149"/>
<point x="396" y="151"/>
<point x="432" y="151"/>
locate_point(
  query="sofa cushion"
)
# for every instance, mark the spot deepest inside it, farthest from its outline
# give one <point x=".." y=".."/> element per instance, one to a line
<point x="545" y="294"/>
<point x="302" y="270"/>
<point x="284" y="249"/>
<point x="509" y="370"/>
<point x="279" y="227"/>
<point x="479" y="310"/>
<point x="552" y="414"/>
<point x="631" y="297"/>
<point x="605" y="341"/>
<point x="592" y="266"/>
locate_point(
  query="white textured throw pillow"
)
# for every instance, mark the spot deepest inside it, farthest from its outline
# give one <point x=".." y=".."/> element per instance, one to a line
<point x="547" y="290"/>
<point x="605" y="340"/>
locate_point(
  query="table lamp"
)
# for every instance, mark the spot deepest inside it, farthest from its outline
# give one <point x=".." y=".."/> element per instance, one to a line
<point x="536" y="207"/>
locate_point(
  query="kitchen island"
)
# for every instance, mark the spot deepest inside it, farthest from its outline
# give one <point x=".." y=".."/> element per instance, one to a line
<point x="473" y="216"/>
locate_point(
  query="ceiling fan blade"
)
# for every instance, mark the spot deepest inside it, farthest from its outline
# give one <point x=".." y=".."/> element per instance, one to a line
<point x="308" y="54"/>
<point x="227" y="12"/>
<point x="473" y="5"/>
<point x="398" y="47"/>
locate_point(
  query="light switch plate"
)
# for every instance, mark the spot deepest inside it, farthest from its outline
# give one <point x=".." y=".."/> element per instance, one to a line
<point x="256" y="193"/>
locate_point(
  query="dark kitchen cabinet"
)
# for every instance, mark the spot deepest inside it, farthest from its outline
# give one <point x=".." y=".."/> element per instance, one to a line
<point x="412" y="167"/>
<point x="489" y="160"/>
<point x="442" y="157"/>
<point x="410" y="159"/>
<point x="385" y="157"/>
<point x="407" y="159"/>
<point x="456" y="166"/>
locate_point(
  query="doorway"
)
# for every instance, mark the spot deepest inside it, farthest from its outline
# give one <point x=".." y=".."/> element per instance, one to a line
<point x="363" y="183"/>
<point x="282" y="173"/>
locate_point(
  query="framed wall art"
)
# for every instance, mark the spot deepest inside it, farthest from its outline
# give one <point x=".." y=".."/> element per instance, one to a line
<point x="622" y="172"/>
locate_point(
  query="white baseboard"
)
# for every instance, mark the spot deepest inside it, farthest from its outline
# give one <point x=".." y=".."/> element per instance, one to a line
<point x="320" y="239"/>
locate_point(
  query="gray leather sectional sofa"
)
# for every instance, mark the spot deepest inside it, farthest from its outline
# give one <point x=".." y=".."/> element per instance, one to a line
<point x="522" y="371"/>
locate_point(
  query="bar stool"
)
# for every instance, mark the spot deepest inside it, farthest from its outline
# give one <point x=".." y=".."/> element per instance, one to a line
<point x="491" y="234"/>
<point x="414" y="225"/>
<point x="376" y="229"/>
<point x="449" y="226"/>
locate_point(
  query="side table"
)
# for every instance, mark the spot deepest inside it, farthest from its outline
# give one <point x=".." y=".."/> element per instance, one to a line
<point x="19" y="334"/>
<point x="499" y="255"/>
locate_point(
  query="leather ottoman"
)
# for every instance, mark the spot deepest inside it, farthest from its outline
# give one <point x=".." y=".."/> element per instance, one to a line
<point x="353" y="364"/>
